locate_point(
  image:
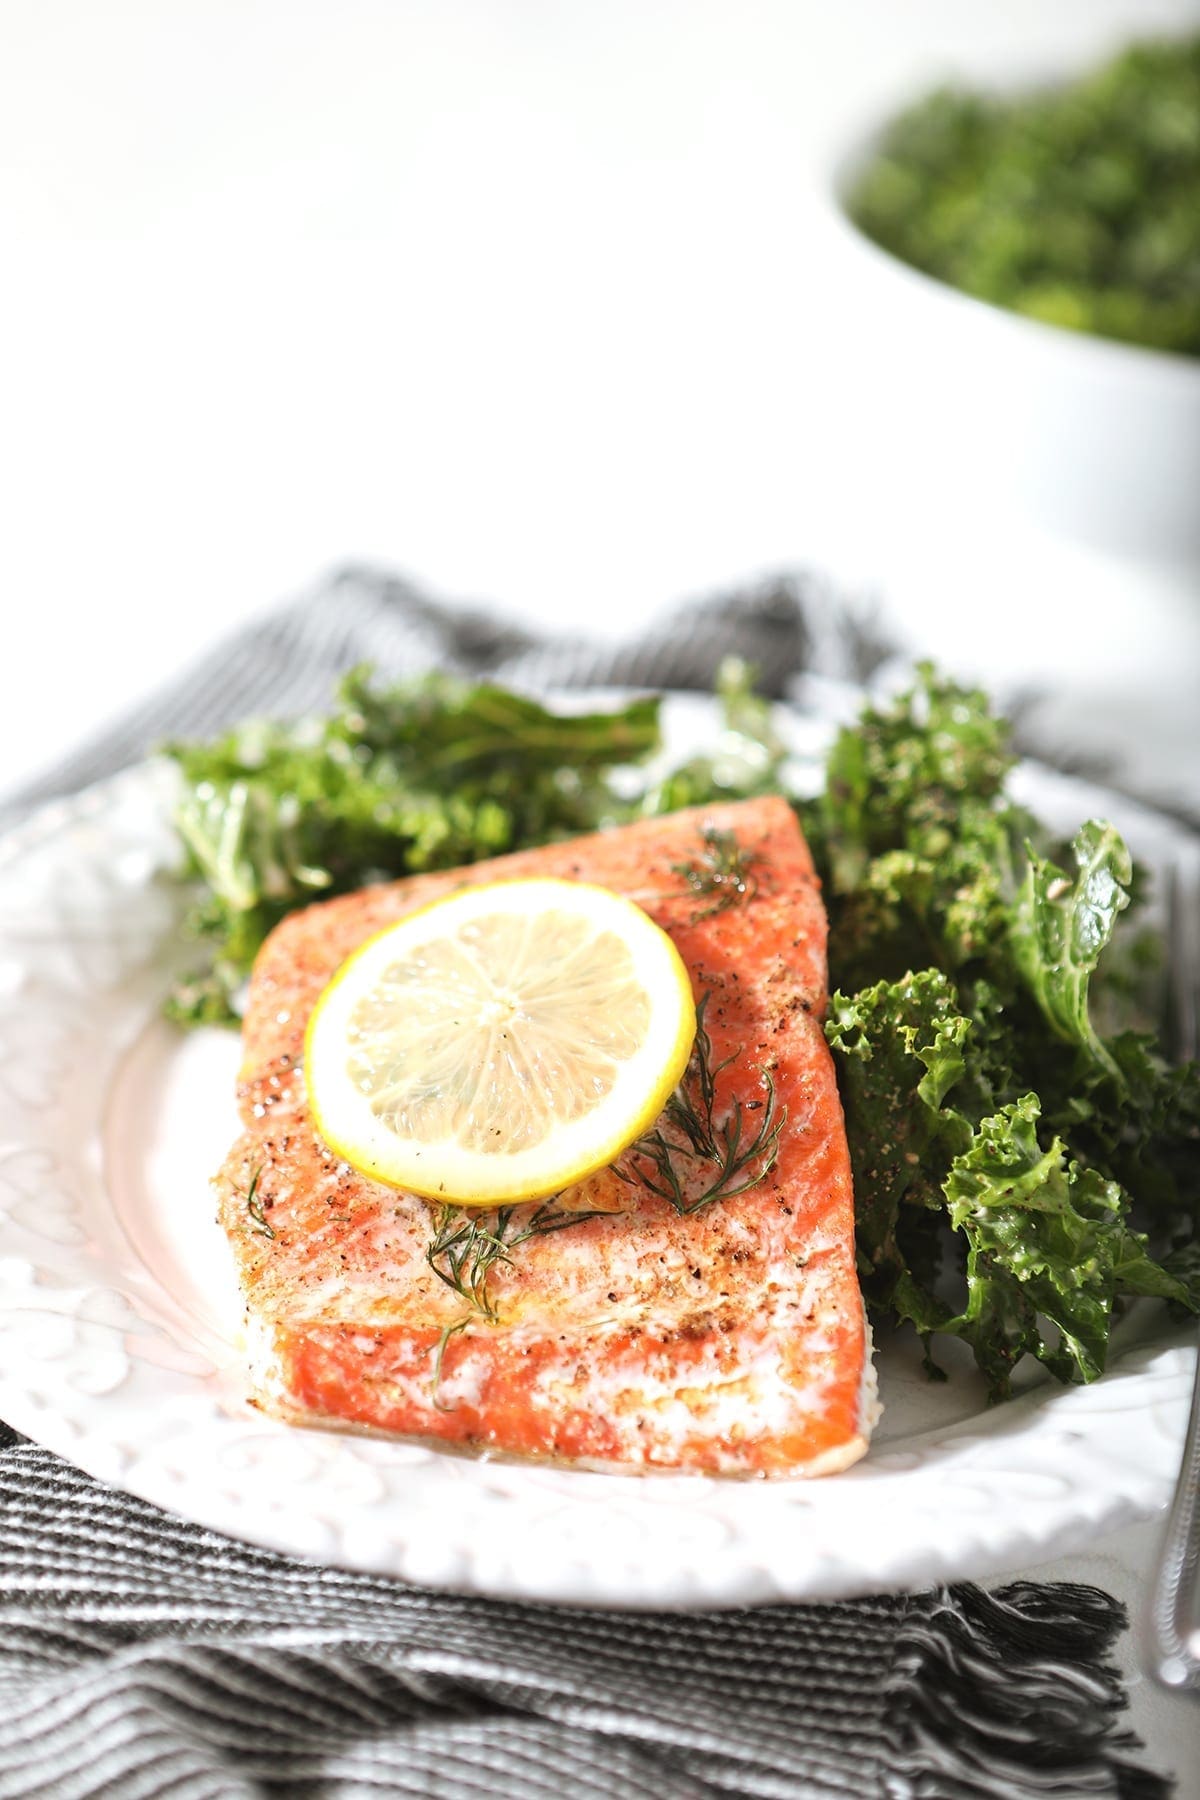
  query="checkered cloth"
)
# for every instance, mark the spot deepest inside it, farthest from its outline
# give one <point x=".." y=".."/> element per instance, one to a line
<point x="143" y="1656"/>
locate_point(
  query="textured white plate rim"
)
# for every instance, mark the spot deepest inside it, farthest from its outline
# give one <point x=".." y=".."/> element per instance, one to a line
<point x="101" y="1361"/>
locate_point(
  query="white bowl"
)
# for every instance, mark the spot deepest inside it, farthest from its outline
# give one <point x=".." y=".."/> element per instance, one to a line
<point x="1088" y="437"/>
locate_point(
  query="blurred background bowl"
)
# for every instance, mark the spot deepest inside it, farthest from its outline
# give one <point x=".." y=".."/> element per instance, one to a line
<point x="1080" y="435"/>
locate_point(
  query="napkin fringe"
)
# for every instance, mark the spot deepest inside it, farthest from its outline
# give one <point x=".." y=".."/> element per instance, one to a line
<point x="1009" y="1692"/>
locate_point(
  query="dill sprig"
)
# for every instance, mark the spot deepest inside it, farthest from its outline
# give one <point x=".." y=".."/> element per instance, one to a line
<point x="260" y="1225"/>
<point x="688" y="1136"/>
<point x="468" y="1244"/>
<point x="723" y="872"/>
<point x="447" y="1332"/>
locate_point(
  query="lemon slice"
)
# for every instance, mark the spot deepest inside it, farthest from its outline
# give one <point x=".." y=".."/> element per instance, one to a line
<point x="502" y="1043"/>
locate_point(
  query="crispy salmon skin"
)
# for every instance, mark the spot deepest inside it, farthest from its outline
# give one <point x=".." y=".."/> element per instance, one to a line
<point x="730" y="1340"/>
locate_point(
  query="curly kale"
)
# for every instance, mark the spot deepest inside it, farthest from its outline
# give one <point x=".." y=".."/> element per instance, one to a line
<point x="1008" y="1158"/>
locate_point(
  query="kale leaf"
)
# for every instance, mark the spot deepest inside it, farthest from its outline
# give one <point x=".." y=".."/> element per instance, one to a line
<point x="430" y="773"/>
<point x="427" y="774"/>
<point x="1060" y="926"/>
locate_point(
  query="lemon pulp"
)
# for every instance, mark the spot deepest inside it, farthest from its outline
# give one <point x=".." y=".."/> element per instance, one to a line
<point x="502" y="1043"/>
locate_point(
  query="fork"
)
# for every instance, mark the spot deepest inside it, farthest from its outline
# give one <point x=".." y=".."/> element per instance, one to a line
<point x="1173" y="1625"/>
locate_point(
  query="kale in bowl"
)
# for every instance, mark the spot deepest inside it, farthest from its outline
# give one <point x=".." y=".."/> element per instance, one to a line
<point x="1077" y="205"/>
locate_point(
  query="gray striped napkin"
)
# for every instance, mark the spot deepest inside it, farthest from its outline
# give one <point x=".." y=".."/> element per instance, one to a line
<point x="143" y="1656"/>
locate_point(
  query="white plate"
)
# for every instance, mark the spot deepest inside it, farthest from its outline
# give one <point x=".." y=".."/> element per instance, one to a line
<point x="119" y="1318"/>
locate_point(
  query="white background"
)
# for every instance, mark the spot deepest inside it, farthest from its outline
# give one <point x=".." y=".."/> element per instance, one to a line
<point x="536" y="303"/>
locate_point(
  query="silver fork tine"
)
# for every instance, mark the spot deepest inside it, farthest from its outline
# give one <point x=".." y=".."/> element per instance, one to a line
<point x="1173" y="1625"/>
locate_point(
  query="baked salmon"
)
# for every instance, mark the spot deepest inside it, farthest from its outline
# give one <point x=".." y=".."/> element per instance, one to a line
<point x="731" y="1339"/>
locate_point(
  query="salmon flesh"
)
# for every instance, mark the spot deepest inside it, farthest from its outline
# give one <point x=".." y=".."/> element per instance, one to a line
<point x="730" y="1339"/>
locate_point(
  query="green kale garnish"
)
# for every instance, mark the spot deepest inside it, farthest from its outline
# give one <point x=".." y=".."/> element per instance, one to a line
<point x="1008" y="1157"/>
<point x="916" y="833"/>
<point x="427" y="774"/>
<point x="1039" y="1246"/>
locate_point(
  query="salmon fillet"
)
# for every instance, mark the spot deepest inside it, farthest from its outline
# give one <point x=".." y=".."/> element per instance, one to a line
<point x="730" y="1340"/>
